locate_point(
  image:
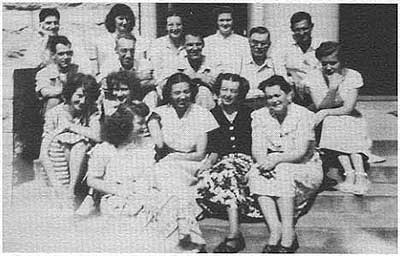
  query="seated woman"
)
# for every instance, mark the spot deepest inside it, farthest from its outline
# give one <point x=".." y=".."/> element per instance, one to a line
<point x="180" y="134"/>
<point x="228" y="144"/>
<point x="289" y="171"/>
<point x="69" y="130"/>
<point x="121" y="169"/>
<point x="334" y="93"/>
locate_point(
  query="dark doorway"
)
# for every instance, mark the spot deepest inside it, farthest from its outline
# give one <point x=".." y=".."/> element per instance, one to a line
<point x="369" y="36"/>
<point x="202" y="16"/>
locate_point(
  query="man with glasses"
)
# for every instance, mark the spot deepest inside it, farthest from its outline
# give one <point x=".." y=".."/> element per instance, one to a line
<point x="299" y="56"/>
<point x="51" y="79"/>
<point x="259" y="66"/>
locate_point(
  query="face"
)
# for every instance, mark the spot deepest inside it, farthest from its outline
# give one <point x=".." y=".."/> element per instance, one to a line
<point x="302" y="31"/>
<point x="277" y="100"/>
<point x="259" y="44"/>
<point x="229" y="92"/>
<point x="139" y="124"/>
<point x="330" y="64"/>
<point x="180" y="95"/>
<point x="174" y="27"/>
<point x="193" y="45"/>
<point x="122" y="24"/>
<point x="50" y="26"/>
<point x="126" y="52"/>
<point x="63" y="55"/>
<point x="120" y="94"/>
<point x="225" y="23"/>
<point x="78" y="100"/>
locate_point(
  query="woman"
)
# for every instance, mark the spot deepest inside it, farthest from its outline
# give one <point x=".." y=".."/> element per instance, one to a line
<point x="334" y="91"/>
<point x="289" y="171"/>
<point x="228" y="144"/>
<point x="69" y="130"/>
<point x="165" y="50"/>
<point x="180" y="134"/>
<point x="119" y="20"/>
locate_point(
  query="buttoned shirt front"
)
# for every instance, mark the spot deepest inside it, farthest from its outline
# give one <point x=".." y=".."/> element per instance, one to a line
<point x="227" y="53"/>
<point x="48" y="76"/>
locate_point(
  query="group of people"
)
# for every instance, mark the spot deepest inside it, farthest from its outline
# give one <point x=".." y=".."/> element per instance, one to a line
<point x="191" y="121"/>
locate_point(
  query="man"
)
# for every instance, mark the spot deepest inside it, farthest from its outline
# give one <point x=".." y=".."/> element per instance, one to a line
<point x="259" y="66"/>
<point x="226" y="48"/>
<point x="51" y="80"/>
<point x="299" y="56"/>
<point x="198" y="67"/>
<point x="125" y="61"/>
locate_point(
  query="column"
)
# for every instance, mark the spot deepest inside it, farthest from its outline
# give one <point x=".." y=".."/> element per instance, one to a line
<point x="148" y="20"/>
<point x="255" y="15"/>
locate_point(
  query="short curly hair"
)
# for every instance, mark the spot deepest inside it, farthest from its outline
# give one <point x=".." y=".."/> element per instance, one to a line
<point x="118" y="127"/>
<point x="175" y="79"/>
<point x="276" y="80"/>
<point x="243" y="84"/>
<point x="327" y="48"/>
<point x="119" y="10"/>
<point x="90" y="87"/>
<point x="115" y="79"/>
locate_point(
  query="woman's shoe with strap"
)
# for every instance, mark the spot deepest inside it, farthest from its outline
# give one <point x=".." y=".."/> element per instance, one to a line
<point x="231" y="245"/>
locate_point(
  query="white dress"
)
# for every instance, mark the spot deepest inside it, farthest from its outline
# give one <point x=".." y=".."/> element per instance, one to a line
<point x="345" y="133"/>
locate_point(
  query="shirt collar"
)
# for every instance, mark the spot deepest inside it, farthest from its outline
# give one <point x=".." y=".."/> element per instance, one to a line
<point x="314" y="44"/>
<point x="267" y="63"/>
<point x="223" y="37"/>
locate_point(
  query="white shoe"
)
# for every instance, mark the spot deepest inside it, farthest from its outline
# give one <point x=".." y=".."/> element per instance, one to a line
<point x="375" y="159"/>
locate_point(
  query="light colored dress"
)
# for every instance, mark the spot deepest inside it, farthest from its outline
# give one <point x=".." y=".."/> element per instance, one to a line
<point x="345" y="133"/>
<point x="151" y="211"/>
<point x="298" y="180"/>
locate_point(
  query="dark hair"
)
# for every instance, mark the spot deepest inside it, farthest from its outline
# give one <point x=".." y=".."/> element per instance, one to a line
<point x="91" y="89"/>
<point x="193" y="32"/>
<point x="243" y="84"/>
<point x="299" y="16"/>
<point x="276" y="80"/>
<point x="115" y="79"/>
<point x="259" y="30"/>
<point x="175" y="79"/>
<point x="222" y="9"/>
<point x="117" y="128"/>
<point x="327" y="48"/>
<point x="46" y="12"/>
<point x="119" y="10"/>
<point x="54" y="40"/>
<point x="176" y="13"/>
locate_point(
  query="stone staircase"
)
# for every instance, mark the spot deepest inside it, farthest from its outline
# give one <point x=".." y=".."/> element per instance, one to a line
<point x="340" y="222"/>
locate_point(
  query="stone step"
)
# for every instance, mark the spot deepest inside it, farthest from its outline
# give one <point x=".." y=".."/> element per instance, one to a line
<point x="314" y="240"/>
<point x="384" y="147"/>
<point x="381" y="198"/>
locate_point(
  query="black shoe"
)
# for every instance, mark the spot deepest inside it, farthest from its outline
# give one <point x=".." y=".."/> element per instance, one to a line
<point x="292" y="249"/>
<point x="271" y="248"/>
<point x="225" y="247"/>
<point x="186" y="244"/>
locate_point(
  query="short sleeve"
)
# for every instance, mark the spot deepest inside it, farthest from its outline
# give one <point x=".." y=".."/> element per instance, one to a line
<point x="42" y="81"/>
<point x="353" y="80"/>
<point x="305" y="127"/>
<point x="206" y="121"/>
<point x="99" y="157"/>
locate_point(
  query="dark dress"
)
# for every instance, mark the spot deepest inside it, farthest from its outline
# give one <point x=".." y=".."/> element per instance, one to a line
<point x="224" y="183"/>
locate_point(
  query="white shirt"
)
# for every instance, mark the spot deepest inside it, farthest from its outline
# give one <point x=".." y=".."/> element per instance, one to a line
<point x="226" y="52"/>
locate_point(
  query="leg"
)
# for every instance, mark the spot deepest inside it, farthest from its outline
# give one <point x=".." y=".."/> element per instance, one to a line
<point x="361" y="178"/>
<point x="76" y="158"/>
<point x="270" y="213"/>
<point x="347" y="185"/>
<point x="233" y="217"/>
<point x="286" y="209"/>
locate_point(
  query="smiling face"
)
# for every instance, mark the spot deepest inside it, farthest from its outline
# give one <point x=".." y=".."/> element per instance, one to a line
<point x="122" y="24"/>
<point x="277" y="100"/>
<point x="63" y="56"/>
<point x="120" y="94"/>
<point x="139" y="124"/>
<point x="174" y="27"/>
<point x="126" y="52"/>
<point x="330" y="64"/>
<point x="302" y="31"/>
<point x="180" y="95"/>
<point x="225" y="23"/>
<point x="259" y="44"/>
<point x="78" y="100"/>
<point x="229" y="92"/>
<point x="50" y="26"/>
<point x="193" y="46"/>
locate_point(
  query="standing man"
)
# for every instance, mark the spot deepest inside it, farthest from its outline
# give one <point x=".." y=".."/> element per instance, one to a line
<point x="226" y="48"/>
<point x="51" y="80"/>
<point x="299" y="56"/>
<point x="258" y="66"/>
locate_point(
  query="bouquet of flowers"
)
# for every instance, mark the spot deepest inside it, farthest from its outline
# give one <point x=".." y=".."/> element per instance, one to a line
<point x="225" y="184"/>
